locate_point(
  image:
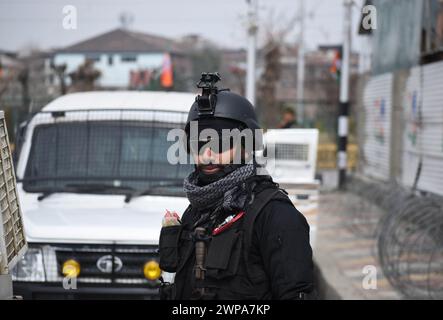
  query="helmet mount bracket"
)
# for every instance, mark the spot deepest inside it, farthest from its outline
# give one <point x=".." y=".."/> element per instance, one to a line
<point x="208" y="99"/>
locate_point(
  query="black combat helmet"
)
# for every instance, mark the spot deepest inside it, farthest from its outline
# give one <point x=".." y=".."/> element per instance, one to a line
<point x="217" y="103"/>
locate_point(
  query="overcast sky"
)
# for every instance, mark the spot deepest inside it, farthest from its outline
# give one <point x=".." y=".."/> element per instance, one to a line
<point x="25" y="23"/>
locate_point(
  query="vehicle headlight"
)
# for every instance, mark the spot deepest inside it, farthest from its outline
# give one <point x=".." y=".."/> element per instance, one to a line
<point x="71" y="268"/>
<point x="152" y="270"/>
<point x="30" y="267"/>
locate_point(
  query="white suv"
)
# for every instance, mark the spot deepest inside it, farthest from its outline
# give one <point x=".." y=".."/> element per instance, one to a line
<point x="94" y="183"/>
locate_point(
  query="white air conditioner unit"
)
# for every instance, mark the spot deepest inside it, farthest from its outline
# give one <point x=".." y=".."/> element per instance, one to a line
<point x="292" y="155"/>
<point x="12" y="236"/>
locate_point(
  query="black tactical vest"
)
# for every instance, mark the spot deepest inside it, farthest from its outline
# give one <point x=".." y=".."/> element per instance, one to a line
<point x="230" y="274"/>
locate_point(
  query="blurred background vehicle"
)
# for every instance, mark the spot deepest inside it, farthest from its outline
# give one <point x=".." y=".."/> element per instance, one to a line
<point x="94" y="183"/>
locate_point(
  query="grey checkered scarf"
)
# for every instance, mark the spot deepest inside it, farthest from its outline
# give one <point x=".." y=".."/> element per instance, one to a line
<point x="228" y="193"/>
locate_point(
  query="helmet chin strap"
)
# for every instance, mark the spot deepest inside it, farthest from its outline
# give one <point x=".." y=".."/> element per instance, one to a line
<point x="205" y="179"/>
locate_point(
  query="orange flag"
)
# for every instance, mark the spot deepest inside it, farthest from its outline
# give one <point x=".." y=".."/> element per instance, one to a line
<point x="166" y="77"/>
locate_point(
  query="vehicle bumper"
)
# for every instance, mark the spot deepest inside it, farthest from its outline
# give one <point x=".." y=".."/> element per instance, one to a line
<point x="47" y="290"/>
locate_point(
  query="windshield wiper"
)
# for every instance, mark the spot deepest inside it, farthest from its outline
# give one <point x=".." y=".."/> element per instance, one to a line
<point x="85" y="188"/>
<point x="47" y="193"/>
<point x="149" y="190"/>
<point x="98" y="187"/>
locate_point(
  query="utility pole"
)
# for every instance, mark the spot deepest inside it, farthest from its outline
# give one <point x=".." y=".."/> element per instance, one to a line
<point x="252" y="44"/>
<point x="344" y="96"/>
<point x="301" y="66"/>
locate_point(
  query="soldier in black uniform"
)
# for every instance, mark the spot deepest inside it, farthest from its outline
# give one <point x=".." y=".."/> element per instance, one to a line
<point x="241" y="237"/>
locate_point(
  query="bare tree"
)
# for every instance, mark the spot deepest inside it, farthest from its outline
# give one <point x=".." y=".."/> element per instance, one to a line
<point x="276" y="30"/>
<point x="23" y="78"/>
<point x="60" y="73"/>
<point x="6" y="79"/>
<point x="239" y="75"/>
<point x="4" y="82"/>
<point x="83" y="79"/>
<point x="268" y="83"/>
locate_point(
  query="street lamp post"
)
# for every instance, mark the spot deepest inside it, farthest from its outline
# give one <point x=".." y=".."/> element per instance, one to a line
<point x="344" y="96"/>
<point x="301" y="66"/>
<point x="252" y="44"/>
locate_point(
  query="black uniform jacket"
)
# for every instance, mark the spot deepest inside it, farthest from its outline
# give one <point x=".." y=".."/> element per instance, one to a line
<point x="277" y="264"/>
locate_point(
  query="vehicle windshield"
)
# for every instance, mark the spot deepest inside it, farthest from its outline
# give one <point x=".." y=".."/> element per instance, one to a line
<point x="103" y="157"/>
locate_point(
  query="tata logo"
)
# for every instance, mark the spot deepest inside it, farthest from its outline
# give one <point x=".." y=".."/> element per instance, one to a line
<point x="104" y="264"/>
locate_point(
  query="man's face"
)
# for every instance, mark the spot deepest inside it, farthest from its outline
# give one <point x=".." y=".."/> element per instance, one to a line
<point x="288" y="117"/>
<point x="210" y="161"/>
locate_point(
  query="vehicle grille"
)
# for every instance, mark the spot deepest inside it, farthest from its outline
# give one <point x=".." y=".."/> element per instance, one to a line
<point x="110" y="263"/>
<point x="286" y="151"/>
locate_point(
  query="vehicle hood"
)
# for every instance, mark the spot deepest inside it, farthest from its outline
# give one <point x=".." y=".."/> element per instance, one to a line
<point x="88" y="218"/>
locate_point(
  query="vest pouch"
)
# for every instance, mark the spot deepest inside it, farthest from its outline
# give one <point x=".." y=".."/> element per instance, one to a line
<point x="168" y="247"/>
<point x="224" y="254"/>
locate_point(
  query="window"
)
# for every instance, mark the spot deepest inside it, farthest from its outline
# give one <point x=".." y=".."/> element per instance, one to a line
<point x="93" y="57"/>
<point x="129" y="58"/>
<point x="133" y="153"/>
